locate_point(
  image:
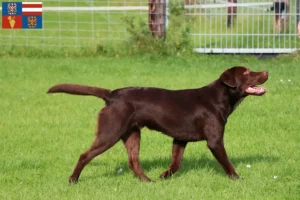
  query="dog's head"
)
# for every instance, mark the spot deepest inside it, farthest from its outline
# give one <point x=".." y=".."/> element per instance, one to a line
<point x="244" y="81"/>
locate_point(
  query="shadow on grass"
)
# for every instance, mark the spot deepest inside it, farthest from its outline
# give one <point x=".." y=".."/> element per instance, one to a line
<point x="188" y="164"/>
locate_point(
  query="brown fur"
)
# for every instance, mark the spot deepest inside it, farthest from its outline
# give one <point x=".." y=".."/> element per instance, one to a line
<point x="187" y="115"/>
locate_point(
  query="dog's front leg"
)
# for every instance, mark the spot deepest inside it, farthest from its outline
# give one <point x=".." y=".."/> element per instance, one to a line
<point x="216" y="146"/>
<point x="177" y="154"/>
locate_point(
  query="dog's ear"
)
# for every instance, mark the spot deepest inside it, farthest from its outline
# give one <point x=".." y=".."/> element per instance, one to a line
<point x="228" y="77"/>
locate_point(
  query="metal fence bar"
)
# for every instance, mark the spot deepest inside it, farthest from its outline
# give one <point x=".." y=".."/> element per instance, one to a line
<point x="245" y="50"/>
<point x="96" y="8"/>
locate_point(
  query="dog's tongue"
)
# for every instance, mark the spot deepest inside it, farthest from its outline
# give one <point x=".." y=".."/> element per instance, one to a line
<point x="255" y="90"/>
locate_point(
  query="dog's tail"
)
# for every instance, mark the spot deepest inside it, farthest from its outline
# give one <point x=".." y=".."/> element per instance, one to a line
<point x="81" y="90"/>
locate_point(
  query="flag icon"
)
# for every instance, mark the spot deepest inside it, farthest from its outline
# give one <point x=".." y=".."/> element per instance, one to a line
<point x="25" y="15"/>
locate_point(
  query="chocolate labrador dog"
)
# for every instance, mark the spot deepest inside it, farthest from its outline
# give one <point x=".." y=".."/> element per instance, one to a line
<point x="187" y="115"/>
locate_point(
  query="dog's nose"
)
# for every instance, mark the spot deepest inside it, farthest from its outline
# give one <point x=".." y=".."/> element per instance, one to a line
<point x="265" y="73"/>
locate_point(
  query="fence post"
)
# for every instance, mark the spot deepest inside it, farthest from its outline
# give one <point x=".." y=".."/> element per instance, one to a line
<point x="298" y="16"/>
<point x="297" y="11"/>
<point x="157" y="14"/>
<point x="166" y="15"/>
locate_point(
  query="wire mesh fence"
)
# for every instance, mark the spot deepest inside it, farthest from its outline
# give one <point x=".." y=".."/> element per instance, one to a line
<point x="245" y="26"/>
<point x="219" y="26"/>
<point x="78" y="23"/>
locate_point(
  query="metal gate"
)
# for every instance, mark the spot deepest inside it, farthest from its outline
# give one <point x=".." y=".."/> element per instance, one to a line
<point x="244" y="26"/>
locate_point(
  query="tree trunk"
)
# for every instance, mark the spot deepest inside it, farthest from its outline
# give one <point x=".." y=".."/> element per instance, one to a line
<point x="231" y="13"/>
<point x="157" y="18"/>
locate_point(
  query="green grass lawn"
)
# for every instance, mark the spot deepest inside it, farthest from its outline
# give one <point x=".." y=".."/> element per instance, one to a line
<point x="43" y="135"/>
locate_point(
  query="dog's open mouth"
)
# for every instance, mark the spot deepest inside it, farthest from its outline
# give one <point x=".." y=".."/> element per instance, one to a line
<point x="255" y="90"/>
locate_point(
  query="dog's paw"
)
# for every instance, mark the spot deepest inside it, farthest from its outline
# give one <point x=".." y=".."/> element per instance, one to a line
<point x="234" y="176"/>
<point x="145" y="179"/>
<point x="73" y="180"/>
<point x="166" y="174"/>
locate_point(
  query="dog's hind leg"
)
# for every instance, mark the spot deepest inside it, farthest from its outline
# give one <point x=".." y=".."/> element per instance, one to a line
<point x="132" y="143"/>
<point x="112" y="124"/>
<point x="177" y="154"/>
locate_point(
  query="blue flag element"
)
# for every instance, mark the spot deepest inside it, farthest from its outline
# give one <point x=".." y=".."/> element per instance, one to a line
<point x="32" y="22"/>
<point x="11" y="8"/>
